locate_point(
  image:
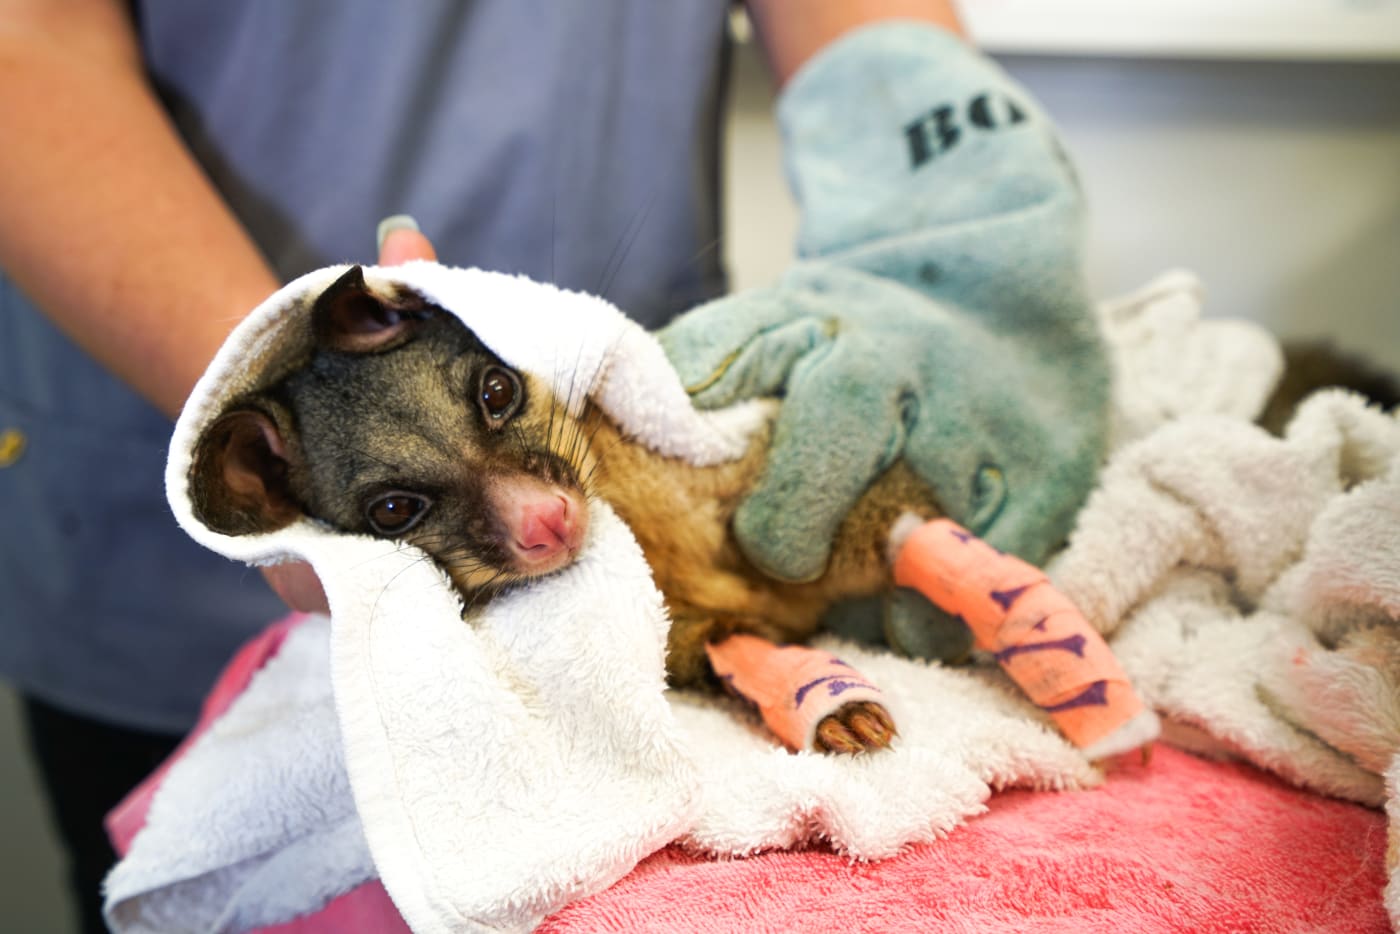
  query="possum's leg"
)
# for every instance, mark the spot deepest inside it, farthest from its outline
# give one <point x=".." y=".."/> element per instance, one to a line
<point x="751" y="656"/>
<point x="809" y="698"/>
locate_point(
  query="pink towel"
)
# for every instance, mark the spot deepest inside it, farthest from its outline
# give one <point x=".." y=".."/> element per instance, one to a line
<point x="1179" y="845"/>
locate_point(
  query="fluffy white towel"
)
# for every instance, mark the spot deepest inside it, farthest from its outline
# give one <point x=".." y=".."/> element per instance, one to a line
<point x="1204" y="555"/>
<point x="1168" y="361"/>
<point x="505" y="765"/>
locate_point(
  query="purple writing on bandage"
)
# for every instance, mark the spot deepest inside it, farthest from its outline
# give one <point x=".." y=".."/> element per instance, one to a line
<point x="835" y="687"/>
<point x="1005" y="598"/>
<point x="1074" y="643"/>
<point x="1095" y="695"/>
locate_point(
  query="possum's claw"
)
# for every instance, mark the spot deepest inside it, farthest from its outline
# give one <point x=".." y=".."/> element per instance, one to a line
<point x="861" y="726"/>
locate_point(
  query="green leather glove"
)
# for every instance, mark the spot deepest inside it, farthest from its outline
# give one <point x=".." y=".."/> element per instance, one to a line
<point x="937" y="313"/>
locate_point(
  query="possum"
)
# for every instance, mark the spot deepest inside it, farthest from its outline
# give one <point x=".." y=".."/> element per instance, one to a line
<point x="403" y="425"/>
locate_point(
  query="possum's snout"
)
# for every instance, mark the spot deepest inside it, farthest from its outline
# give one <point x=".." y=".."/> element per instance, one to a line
<point x="542" y="525"/>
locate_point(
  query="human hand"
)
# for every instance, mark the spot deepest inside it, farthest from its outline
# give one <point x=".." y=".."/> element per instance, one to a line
<point x="295" y="582"/>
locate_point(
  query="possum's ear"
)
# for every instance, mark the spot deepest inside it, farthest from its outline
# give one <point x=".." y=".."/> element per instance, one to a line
<point x="239" y="483"/>
<point x="350" y="317"/>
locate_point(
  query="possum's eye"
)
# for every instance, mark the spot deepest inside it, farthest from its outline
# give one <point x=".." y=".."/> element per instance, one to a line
<point x="500" y="393"/>
<point x="396" y="513"/>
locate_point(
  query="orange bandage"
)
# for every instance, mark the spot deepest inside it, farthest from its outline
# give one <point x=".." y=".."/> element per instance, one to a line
<point x="794" y="687"/>
<point x="1037" y="635"/>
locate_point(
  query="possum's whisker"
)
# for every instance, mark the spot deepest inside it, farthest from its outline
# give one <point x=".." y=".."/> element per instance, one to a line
<point x="392" y="465"/>
<point x="456" y="553"/>
<point x="585" y="437"/>
<point x="549" y="426"/>
<point x="624" y="246"/>
<point x="580" y="450"/>
<point x="560" y="422"/>
<point x="568" y="403"/>
<point x="577" y="457"/>
<point x="485" y="590"/>
<point x="391" y="581"/>
<point x="587" y="479"/>
<point x="583" y="444"/>
<point x="559" y="409"/>
<point x="568" y="448"/>
<point x="707" y="248"/>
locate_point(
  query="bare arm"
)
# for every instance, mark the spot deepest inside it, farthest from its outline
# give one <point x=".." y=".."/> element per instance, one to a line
<point x="108" y="223"/>
<point x="792" y="32"/>
<point x="110" y="226"/>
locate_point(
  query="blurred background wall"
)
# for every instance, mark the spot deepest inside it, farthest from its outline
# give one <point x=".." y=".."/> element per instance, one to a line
<point x="1263" y="154"/>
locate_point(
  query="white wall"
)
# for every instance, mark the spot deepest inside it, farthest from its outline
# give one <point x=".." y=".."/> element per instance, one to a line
<point x="1237" y="29"/>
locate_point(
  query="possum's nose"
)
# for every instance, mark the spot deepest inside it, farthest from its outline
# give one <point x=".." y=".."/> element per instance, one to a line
<point x="547" y="531"/>
<point x="545" y="526"/>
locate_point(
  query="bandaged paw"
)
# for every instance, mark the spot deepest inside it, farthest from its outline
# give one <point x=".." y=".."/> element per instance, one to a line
<point x="808" y="698"/>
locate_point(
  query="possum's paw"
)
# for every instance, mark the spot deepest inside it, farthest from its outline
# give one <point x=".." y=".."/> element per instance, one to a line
<point x="807" y="697"/>
<point x="860" y="726"/>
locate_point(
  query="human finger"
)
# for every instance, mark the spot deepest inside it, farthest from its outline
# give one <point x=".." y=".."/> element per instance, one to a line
<point x="298" y="586"/>
<point x="400" y="241"/>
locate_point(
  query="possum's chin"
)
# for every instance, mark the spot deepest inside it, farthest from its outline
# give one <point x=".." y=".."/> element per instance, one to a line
<point x="537" y="562"/>
<point x="476" y="588"/>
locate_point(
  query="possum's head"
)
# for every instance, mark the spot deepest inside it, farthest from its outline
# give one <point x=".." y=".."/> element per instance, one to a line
<point x="403" y="425"/>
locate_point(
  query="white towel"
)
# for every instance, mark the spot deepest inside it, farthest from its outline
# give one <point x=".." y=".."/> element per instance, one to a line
<point x="1217" y="558"/>
<point x="1168" y="361"/>
<point x="1200" y="555"/>
<point x="504" y="766"/>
